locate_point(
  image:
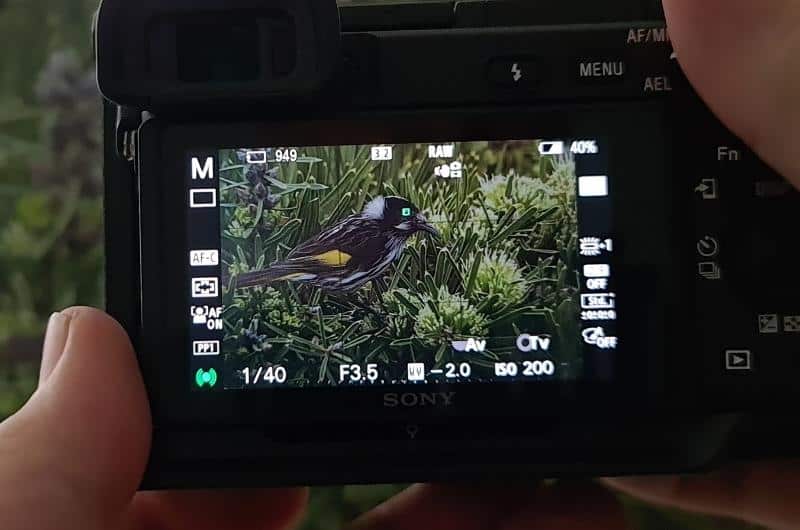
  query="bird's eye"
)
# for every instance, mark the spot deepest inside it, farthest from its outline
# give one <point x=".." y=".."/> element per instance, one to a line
<point x="407" y="212"/>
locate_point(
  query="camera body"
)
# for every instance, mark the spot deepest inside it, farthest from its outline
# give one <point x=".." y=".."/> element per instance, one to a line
<point x="588" y="274"/>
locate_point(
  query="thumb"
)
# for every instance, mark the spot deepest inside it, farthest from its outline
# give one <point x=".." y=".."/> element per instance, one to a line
<point x="742" y="57"/>
<point x="74" y="455"/>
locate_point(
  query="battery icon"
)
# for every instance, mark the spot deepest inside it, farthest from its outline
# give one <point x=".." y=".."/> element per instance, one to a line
<point x="551" y="148"/>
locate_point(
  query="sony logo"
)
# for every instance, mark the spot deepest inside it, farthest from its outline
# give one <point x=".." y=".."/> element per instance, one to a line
<point x="418" y="399"/>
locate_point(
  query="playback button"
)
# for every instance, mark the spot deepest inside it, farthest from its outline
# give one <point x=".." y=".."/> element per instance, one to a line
<point x="738" y="361"/>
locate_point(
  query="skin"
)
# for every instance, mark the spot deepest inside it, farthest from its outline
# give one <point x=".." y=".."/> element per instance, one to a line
<point x="74" y="455"/>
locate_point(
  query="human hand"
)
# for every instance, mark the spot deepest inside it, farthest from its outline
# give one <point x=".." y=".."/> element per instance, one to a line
<point x="743" y="57"/>
<point x="766" y="494"/>
<point x="501" y="506"/>
<point x="74" y="455"/>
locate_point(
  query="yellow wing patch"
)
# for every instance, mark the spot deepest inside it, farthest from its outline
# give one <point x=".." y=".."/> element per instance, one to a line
<point x="334" y="258"/>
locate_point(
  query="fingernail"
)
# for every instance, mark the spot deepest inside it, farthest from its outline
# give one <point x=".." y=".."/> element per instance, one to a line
<point x="54" y="341"/>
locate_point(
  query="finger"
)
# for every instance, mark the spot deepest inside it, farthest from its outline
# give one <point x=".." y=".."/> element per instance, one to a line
<point x="742" y="56"/>
<point x="445" y="507"/>
<point x="570" y="506"/>
<point x="276" y="509"/>
<point x="766" y="494"/>
<point x="564" y="506"/>
<point x="74" y="455"/>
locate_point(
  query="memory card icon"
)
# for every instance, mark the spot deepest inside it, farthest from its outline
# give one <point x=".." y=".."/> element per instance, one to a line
<point x="257" y="157"/>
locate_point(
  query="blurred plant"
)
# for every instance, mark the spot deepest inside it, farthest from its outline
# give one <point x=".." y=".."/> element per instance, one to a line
<point x="336" y="507"/>
<point x="72" y="130"/>
<point x="50" y="241"/>
<point x="16" y="382"/>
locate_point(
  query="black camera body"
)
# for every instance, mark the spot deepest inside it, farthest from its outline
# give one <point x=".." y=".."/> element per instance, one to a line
<point x="557" y="262"/>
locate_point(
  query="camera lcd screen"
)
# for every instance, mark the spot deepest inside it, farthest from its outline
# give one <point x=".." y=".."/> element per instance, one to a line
<point x="389" y="264"/>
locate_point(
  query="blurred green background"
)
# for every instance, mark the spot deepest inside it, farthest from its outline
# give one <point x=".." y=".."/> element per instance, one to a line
<point x="51" y="217"/>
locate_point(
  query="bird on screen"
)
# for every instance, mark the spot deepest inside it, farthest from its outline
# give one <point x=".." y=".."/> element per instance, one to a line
<point x="357" y="250"/>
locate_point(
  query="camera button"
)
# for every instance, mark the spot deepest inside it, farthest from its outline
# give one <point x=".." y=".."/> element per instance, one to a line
<point x="738" y="360"/>
<point x="708" y="247"/>
<point x="514" y="72"/>
<point x="601" y="70"/>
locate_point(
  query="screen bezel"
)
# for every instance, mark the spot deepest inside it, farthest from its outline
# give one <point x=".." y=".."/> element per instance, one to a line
<point x="643" y="204"/>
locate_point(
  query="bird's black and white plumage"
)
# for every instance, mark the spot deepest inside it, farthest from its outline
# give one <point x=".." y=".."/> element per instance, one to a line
<point x="355" y="251"/>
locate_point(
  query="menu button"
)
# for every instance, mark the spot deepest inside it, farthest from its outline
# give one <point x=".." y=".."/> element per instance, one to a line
<point x="601" y="70"/>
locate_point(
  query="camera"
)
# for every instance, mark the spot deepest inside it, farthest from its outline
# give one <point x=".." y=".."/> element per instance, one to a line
<point x="437" y="241"/>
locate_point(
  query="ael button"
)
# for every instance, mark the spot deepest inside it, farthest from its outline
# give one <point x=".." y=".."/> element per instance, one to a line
<point x="514" y="72"/>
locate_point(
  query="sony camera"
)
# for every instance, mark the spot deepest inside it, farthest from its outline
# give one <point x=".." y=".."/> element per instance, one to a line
<point x="437" y="241"/>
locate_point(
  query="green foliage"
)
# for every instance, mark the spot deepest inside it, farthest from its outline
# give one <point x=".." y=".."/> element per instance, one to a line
<point x="505" y="261"/>
<point x="444" y="316"/>
<point x="16" y="382"/>
<point x="50" y="251"/>
<point x="334" y="508"/>
<point x="500" y="279"/>
<point x="33" y="30"/>
<point x="50" y="238"/>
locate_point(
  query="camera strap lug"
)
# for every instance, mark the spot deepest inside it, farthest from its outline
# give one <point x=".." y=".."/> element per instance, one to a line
<point x="127" y="131"/>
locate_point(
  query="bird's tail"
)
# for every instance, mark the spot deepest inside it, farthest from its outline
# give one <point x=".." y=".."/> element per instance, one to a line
<point x="277" y="272"/>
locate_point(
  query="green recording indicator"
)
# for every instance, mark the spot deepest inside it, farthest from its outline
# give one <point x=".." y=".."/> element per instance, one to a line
<point x="205" y="377"/>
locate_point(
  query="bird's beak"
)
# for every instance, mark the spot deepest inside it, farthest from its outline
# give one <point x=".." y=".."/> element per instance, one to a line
<point x="424" y="226"/>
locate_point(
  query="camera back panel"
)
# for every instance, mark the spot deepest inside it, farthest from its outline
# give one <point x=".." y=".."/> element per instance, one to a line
<point x="697" y="239"/>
